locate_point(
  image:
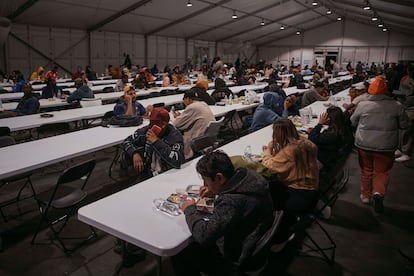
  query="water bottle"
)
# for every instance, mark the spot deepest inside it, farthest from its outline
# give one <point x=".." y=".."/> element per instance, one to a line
<point x="230" y="99"/>
<point x="172" y="111"/>
<point x="247" y="155"/>
<point x="236" y="99"/>
<point x="226" y="100"/>
<point x="59" y="94"/>
<point x="331" y="98"/>
<point x="1" y="106"/>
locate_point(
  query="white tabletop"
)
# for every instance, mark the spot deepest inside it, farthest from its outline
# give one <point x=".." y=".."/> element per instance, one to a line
<point x="11" y="96"/>
<point x="32" y="155"/>
<point x="130" y="214"/>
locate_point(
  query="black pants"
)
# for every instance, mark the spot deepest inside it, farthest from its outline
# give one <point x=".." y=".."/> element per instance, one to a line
<point x="196" y="258"/>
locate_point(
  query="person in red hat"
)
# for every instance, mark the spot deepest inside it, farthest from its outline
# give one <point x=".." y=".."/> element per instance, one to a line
<point x="378" y="121"/>
<point x="157" y="147"/>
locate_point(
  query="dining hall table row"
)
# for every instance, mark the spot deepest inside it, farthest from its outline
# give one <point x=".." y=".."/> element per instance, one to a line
<point x="28" y="156"/>
<point x="71" y="115"/>
<point x="131" y="214"/>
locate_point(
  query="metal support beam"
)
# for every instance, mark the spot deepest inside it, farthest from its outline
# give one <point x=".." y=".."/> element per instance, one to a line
<point x="146" y="51"/>
<point x="271" y="22"/>
<point x="117" y="15"/>
<point x="239" y="18"/>
<point x="26" y="5"/>
<point x="71" y="46"/>
<point x="191" y="15"/>
<point x="39" y="52"/>
<point x="89" y="49"/>
<point x="282" y="37"/>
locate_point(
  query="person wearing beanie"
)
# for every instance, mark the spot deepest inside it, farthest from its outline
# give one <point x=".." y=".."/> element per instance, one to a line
<point x="193" y="120"/>
<point x="155" y="148"/>
<point x="221" y="90"/>
<point x="201" y="91"/>
<point x="377" y="121"/>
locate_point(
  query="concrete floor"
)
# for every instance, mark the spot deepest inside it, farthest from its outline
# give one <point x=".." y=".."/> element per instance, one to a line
<point x="367" y="243"/>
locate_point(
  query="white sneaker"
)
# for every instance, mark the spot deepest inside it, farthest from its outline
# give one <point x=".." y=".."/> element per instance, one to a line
<point x="402" y="158"/>
<point x="277" y="247"/>
<point x="364" y="200"/>
<point x="398" y="153"/>
<point x="327" y="212"/>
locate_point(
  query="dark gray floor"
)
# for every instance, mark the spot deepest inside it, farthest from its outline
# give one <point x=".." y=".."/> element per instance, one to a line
<point x="367" y="243"/>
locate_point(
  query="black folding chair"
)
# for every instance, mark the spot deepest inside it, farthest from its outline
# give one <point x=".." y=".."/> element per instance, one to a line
<point x="312" y="218"/>
<point x="52" y="129"/>
<point x="63" y="199"/>
<point x="24" y="178"/>
<point x="259" y="259"/>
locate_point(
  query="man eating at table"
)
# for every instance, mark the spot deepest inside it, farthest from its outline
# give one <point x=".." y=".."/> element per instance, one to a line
<point x="225" y="239"/>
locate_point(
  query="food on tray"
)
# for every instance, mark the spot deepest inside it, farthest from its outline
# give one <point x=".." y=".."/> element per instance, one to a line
<point x="193" y="190"/>
<point x="296" y="120"/>
<point x="205" y="204"/>
<point x="174" y="198"/>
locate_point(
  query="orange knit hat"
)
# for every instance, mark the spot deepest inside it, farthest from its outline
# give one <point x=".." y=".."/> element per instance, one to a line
<point x="379" y="86"/>
<point x="202" y="84"/>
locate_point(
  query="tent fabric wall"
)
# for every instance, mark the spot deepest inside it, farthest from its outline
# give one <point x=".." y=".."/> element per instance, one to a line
<point x="369" y="44"/>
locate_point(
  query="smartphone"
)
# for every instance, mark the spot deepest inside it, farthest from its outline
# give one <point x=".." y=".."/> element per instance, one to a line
<point x="156" y="129"/>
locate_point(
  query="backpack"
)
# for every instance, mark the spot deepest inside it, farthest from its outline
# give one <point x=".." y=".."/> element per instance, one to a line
<point x="126" y="120"/>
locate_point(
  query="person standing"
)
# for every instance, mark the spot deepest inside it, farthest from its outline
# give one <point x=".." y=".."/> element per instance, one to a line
<point x="378" y="121"/>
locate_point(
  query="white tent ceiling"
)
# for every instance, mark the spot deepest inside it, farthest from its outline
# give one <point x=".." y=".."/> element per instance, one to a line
<point x="207" y="19"/>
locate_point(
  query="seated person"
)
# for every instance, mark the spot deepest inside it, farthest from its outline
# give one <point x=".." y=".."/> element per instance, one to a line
<point x="20" y="81"/>
<point x="140" y="81"/>
<point x="293" y="109"/>
<point x="148" y="75"/>
<point x="357" y="94"/>
<point x="294" y="159"/>
<point x="90" y="74"/>
<point x="51" y="89"/>
<point x="77" y="74"/>
<point x="193" y="120"/>
<point x="202" y="86"/>
<point x="166" y="80"/>
<point x="38" y="75"/>
<point x="82" y="91"/>
<point x="121" y="83"/>
<point x="314" y="94"/>
<point x="29" y="103"/>
<point x="163" y="146"/>
<point x="54" y="74"/>
<point x="242" y="214"/>
<point x="334" y="141"/>
<point x="266" y="112"/>
<point x="178" y="78"/>
<point x="221" y="90"/>
<point x="128" y="105"/>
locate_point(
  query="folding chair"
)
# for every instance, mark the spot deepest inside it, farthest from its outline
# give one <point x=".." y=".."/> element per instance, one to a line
<point x="4" y="142"/>
<point x="52" y="129"/>
<point x="208" y="141"/>
<point x="63" y="199"/>
<point x="259" y="259"/>
<point x="4" y="131"/>
<point x="313" y="218"/>
<point x="229" y="122"/>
